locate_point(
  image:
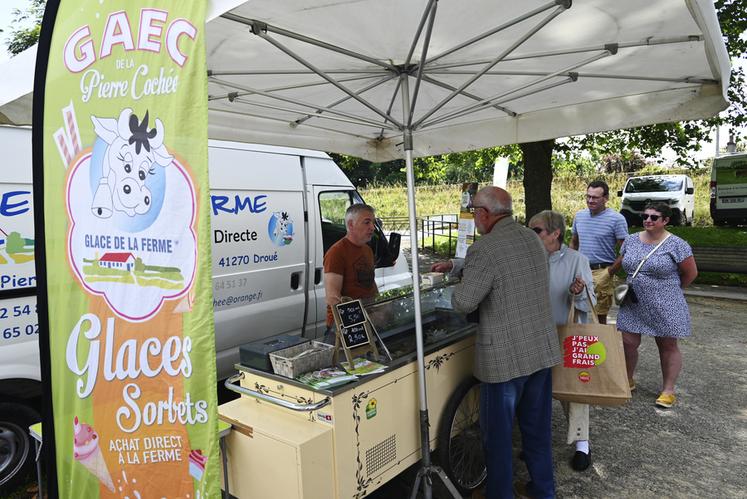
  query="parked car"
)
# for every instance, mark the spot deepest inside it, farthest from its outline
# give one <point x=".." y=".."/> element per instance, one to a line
<point x="729" y="189"/>
<point x="264" y="283"/>
<point x="677" y="191"/>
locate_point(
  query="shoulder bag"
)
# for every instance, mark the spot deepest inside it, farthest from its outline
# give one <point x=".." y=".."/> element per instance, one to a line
<point x="623" y="291"/>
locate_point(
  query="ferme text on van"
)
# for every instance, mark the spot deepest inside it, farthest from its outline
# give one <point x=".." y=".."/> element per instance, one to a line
<point x="224" y="204"/>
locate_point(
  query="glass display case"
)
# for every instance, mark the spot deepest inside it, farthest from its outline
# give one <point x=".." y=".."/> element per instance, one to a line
<point x="394" y="320"/>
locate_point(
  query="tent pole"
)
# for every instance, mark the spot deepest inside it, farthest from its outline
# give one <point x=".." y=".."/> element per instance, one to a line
<point x="426" y="469"/>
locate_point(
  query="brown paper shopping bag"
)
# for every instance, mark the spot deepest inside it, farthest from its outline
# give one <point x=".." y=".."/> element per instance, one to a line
<point x="592" y="370"/>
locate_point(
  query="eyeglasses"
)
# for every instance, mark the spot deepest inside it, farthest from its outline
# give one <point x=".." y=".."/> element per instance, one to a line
<point x="653" y="218"/>
<point x="537" y="230"/>
<point x="476" y="207"/>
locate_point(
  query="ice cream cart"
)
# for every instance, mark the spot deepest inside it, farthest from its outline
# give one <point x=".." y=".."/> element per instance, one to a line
<point x="293" y="441"/>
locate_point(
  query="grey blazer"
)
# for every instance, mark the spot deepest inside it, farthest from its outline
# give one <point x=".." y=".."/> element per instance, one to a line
<point x="505" y="275"/>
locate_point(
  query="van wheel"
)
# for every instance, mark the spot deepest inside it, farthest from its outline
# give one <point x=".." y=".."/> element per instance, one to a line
<point x="460" y="451"/>
<point x="16" y="447"/>
<point x="687" y="221"/>
<point x="631" y="219"/>
<point x="678" y="217"/>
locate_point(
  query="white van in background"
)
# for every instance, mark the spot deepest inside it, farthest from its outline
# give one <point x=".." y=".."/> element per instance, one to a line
<point x="677" y="191"/>
<point x="729" y="189"/>
<point x="274" y="213"/>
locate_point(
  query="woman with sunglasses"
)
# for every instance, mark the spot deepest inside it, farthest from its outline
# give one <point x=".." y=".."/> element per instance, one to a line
<point x="569" y="273"/>
<point x="655" y="305"/>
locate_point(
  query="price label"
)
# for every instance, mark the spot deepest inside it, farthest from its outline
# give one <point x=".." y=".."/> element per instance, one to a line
<point x="354" y="336"/>
<point x="351" y="313"/>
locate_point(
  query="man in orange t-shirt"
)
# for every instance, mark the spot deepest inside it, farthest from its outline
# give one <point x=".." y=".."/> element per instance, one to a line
<point x="349" y="264"/>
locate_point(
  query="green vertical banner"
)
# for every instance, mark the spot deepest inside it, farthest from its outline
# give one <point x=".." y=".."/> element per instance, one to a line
<point x="127" y="253"/>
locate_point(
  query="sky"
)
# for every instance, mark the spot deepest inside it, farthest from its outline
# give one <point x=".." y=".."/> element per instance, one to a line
<point x="6" y="8"/>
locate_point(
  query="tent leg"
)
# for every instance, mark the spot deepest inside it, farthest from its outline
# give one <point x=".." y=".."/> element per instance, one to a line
<point x="427" y="469"/>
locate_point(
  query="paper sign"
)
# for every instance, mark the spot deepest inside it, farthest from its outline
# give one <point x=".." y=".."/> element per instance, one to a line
<point x="466" y="228"/>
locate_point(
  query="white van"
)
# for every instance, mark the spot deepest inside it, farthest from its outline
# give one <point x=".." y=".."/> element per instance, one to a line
<point x="677" y="191"/>
<point x="274" y="213"/>
<point x="729" y="189"/>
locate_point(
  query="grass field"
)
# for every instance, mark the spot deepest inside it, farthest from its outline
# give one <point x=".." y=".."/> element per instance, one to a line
<point x="567" y="197"/>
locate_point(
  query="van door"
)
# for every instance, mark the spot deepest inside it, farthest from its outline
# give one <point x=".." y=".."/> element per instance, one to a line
<point x="259" y="247"/>
<point x="19" y="328"/>
<point x="330" y="203"/>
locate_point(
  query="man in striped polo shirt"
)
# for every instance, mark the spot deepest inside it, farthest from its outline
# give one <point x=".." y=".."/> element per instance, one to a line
<point x="597" y="233"/>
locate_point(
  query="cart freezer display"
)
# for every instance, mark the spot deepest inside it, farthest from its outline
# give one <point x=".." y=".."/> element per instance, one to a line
<point x="293" y="441"/>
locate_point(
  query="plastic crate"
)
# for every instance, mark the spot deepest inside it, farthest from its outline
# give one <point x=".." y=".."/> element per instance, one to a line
<point x="293" y="361"/>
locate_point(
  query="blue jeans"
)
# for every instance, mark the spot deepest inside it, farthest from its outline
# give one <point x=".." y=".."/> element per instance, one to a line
<point x="529" y="398"/>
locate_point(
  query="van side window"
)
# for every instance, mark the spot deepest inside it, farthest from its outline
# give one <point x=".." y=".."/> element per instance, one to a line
<point x="332" y="206"/>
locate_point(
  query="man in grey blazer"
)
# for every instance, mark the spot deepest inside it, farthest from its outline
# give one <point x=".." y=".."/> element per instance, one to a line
<point x="505" y="277"/>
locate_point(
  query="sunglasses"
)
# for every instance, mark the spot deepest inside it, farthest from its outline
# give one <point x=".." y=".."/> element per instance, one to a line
<point x="653" y="218"/>
<point x="537" y="230"/>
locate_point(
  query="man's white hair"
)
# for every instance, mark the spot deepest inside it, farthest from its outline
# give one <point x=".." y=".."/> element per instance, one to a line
<point x="355" y="210"/>
<point x="493" y="204"/>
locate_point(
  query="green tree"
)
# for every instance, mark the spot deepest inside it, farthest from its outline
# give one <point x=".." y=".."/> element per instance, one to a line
<point x="682" y="137"/>
<point x="29" y="22"/>
<point x="685" y="137"/>
<point x="537" y="176"/>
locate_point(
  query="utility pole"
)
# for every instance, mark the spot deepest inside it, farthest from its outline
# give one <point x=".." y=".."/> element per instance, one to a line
<point x="731" y="146"/>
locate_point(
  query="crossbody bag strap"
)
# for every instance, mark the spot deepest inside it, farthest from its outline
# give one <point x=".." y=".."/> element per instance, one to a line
<point x="649" y="254"/>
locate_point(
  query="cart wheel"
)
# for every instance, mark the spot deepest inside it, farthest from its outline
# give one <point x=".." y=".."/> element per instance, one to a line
<point x="460" y="450"/>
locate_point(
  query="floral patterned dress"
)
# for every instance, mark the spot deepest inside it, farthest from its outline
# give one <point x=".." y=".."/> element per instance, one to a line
<point x="661" y="309"/>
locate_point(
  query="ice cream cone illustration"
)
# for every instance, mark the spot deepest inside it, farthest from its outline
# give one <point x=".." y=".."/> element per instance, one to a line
<point x="87" y="452"/>
<point x="197" y="464"/>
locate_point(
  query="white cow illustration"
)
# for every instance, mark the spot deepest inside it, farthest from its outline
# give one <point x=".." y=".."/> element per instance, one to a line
<point x="129" y="158"/>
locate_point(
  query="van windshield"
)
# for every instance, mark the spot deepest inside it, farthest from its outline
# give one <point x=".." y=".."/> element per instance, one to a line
<point x="653" y="185"/>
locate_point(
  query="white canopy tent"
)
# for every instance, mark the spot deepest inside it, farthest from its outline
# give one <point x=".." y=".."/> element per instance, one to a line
<point x="494" y="73"/>
<point x="598" y="65"/>
<point x="386" y="79"/>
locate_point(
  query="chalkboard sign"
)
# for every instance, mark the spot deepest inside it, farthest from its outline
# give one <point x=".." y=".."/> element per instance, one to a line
<point x="355" y="336"/>
<point x="351" y="313"/>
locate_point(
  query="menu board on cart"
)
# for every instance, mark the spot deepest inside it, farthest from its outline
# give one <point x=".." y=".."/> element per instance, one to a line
<point x="354" y="336"/>
<point x="353" y="330"/>
<point x="351" y="313"/>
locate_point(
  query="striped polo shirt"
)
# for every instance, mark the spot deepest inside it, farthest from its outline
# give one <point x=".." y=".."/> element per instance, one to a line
<point x="598" y="234"/>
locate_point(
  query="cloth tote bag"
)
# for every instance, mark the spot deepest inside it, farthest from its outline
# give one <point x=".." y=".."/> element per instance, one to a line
<point x="592" y="370"/>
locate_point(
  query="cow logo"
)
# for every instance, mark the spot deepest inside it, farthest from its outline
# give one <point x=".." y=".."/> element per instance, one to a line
<point x="131" y="207"/>
<point x="131" y="155"/>
<point x="280" y="228"/>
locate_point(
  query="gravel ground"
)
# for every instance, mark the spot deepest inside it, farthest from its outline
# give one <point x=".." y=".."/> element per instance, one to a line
<point x="698" y="448"/>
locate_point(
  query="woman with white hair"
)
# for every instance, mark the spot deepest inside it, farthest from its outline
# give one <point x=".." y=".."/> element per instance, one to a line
<point x="569" y="275"/>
